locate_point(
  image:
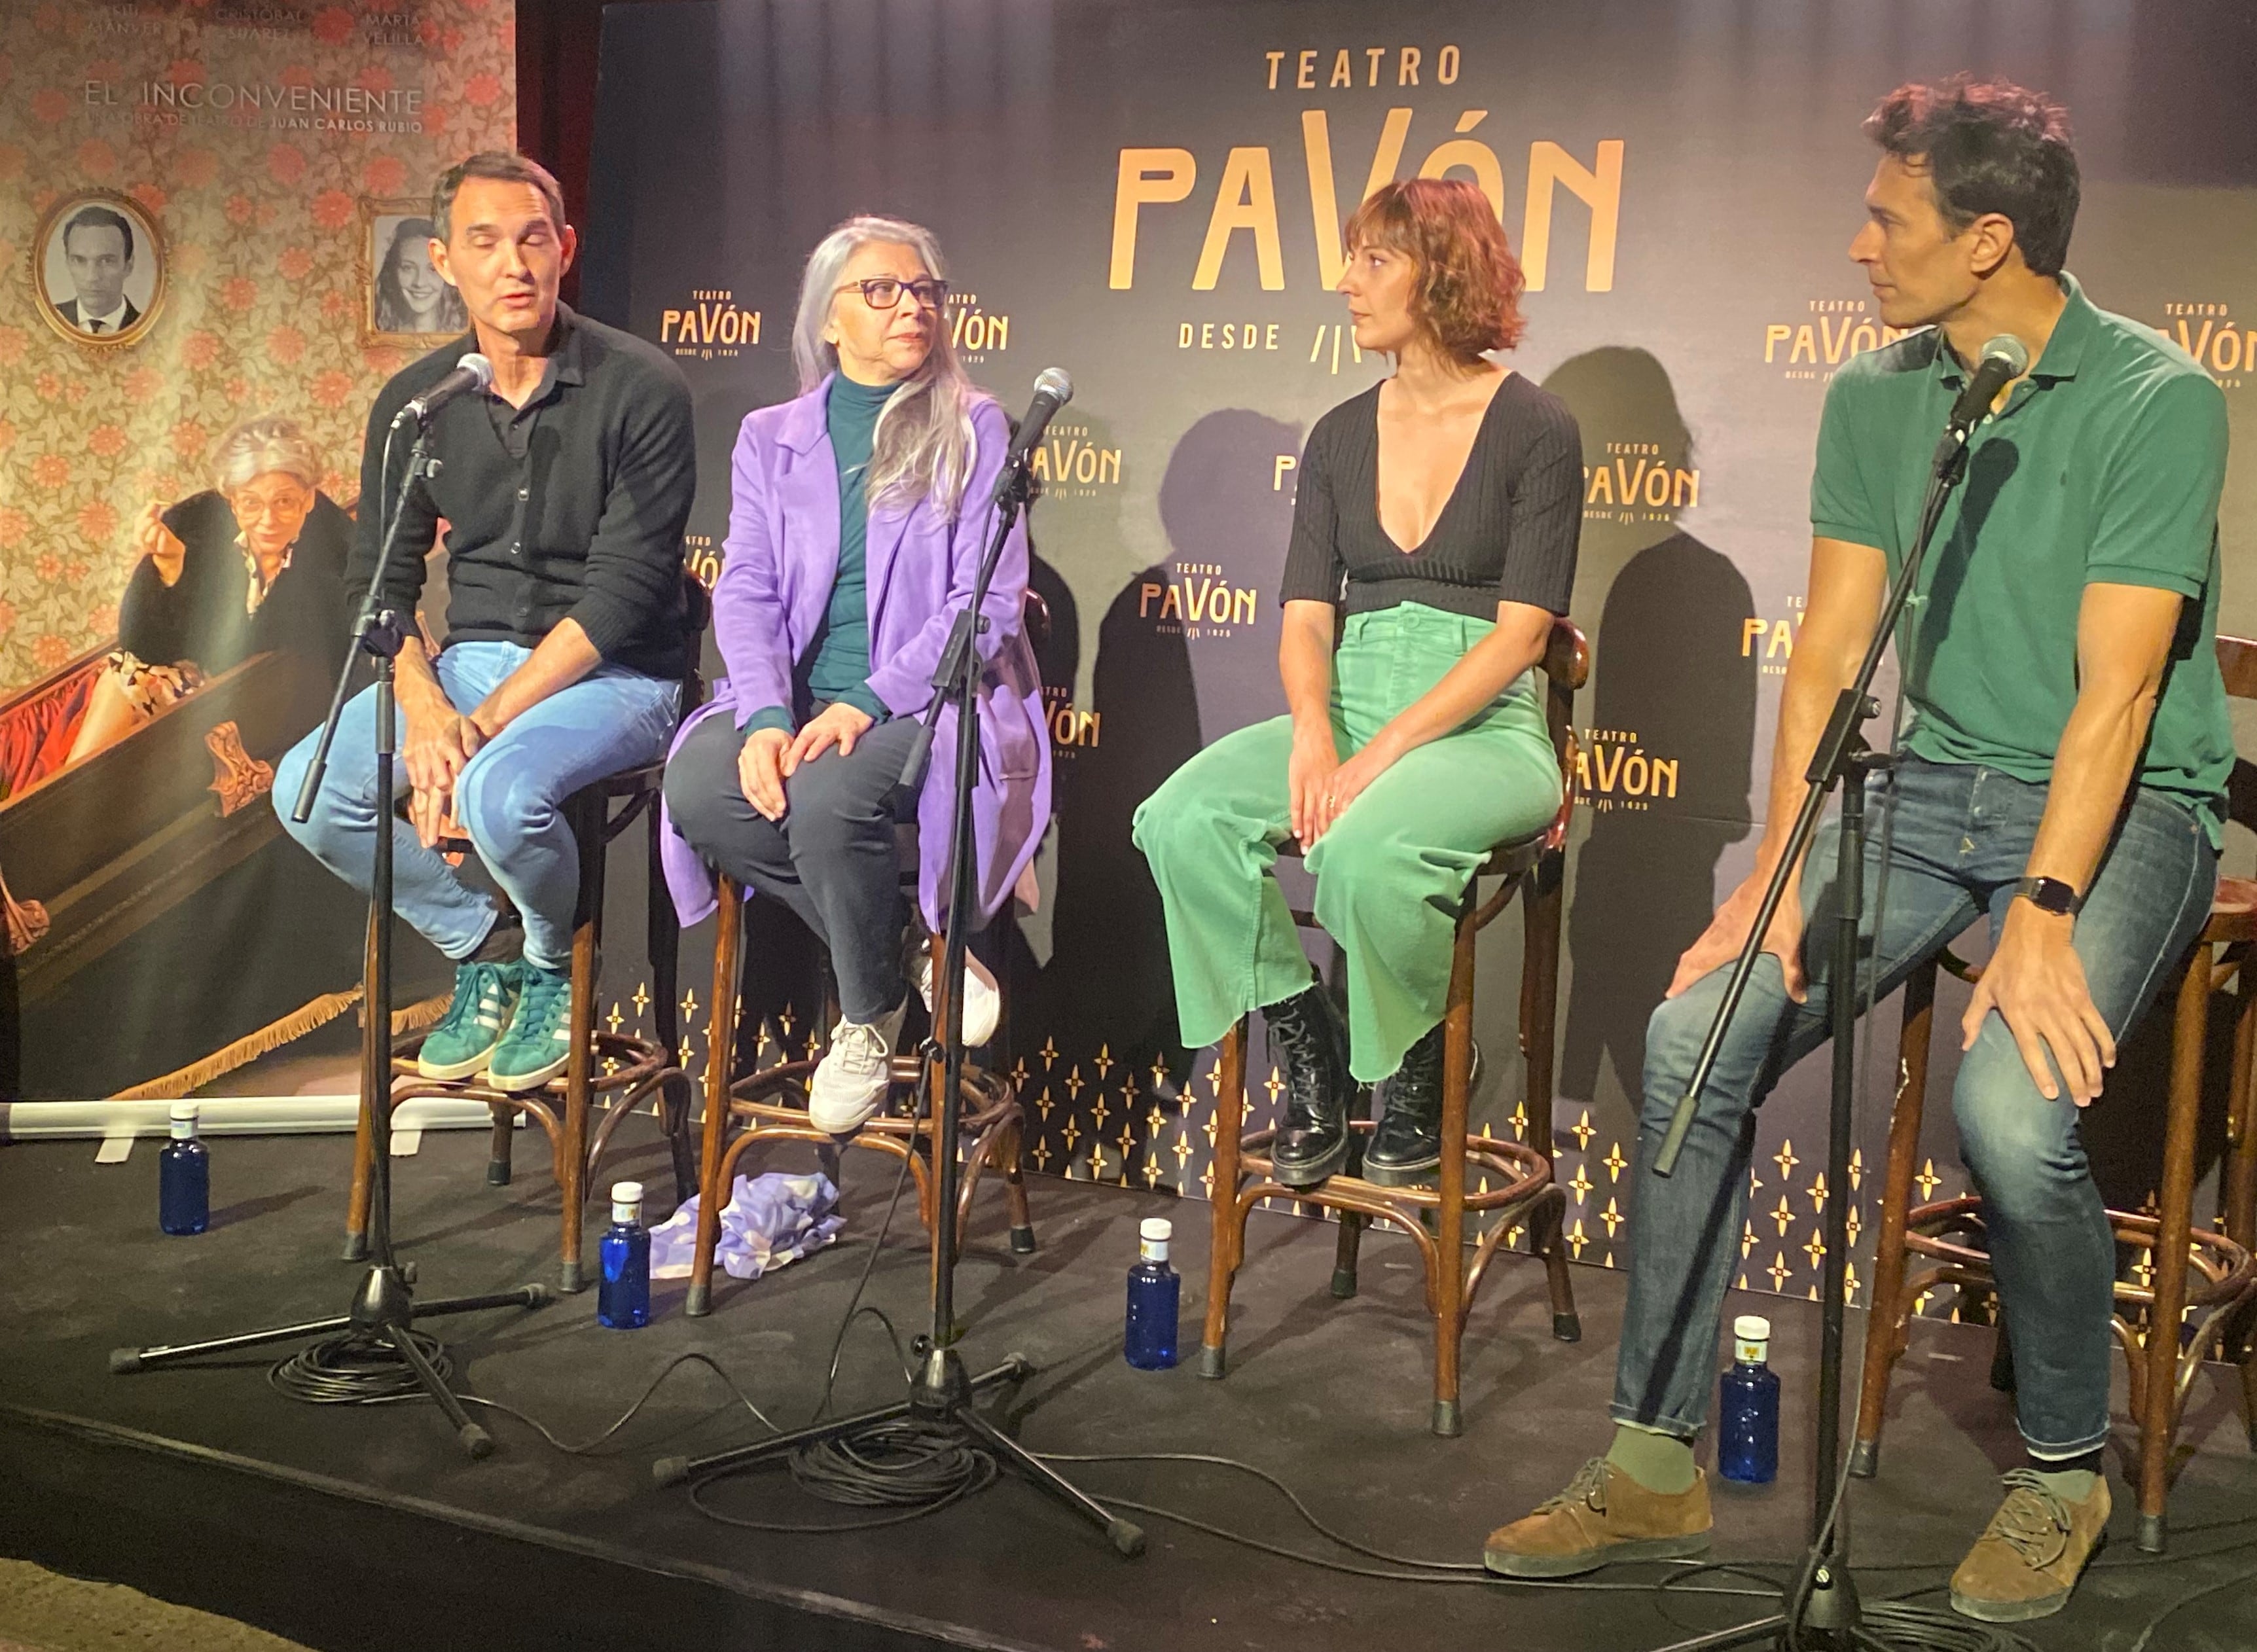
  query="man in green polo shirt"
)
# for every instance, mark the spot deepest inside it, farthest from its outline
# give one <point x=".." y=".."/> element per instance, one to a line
<point x="2063" y="778"/>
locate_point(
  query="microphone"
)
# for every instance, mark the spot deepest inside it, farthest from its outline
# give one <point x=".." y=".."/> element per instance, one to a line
<point x="473" y="372"/>
<point x="2004" y="360"/>
<point x="1053" y="391"/>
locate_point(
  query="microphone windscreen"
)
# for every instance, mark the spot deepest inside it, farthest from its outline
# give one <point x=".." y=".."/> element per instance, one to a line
<point x="1052" y="381"/>
<point x="2012" y="351"/>
<point x="473" y="363"/>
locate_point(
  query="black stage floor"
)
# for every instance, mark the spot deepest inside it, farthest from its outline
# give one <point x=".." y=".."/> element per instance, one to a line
<point x="354" y="1528"/>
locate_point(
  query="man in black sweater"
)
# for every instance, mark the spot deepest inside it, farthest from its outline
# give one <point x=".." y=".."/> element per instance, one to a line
<point x="565" y="488"/>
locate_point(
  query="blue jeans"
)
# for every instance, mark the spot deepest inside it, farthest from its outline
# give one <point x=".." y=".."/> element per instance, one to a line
<point x="1963" y="837"/>
<point x="509" y="798"/>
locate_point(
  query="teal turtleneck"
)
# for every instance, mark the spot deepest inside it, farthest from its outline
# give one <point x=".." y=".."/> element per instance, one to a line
<point x="836" y="666"/>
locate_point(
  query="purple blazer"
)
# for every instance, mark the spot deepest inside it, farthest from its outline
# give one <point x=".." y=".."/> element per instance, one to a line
<point x="782" y="559"/>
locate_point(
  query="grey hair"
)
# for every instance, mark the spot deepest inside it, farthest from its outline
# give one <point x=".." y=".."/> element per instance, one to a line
<point x="259" y="446"/>
<point x="923" y="445"/>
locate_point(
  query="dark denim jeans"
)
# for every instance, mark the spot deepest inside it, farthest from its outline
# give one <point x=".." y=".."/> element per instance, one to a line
<point x="1963" y="837"/>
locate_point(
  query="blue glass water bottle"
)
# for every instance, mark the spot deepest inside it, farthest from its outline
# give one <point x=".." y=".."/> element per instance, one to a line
<point x="623" y="1298"/>
<point x="184" y="1176"/>
<point x="1154" y="1291"/>
<point x="1747" y="1408"/>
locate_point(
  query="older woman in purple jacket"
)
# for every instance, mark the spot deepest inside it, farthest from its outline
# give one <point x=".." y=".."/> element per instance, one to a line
<point x="858" y="516"/>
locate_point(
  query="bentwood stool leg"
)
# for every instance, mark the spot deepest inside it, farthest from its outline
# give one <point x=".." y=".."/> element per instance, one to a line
<point x="573" y="1150"/>
<point x="371" y="1038"/>
<point x="1351" y="1223"/>
<point x="1227" y="1225"/>
<point x="1539" y="1010"/>
<point x="2238" y="1216"/>
<point x="499" y="1148"/>
<point x="2159" y="1418"/>
<point x="1450" y="1236"/>
<point x="1010" y="1151"/>
<point x="1888" y="1323"/>
<point x="1345" y="1247"/>
<point x="720" y="1047"/>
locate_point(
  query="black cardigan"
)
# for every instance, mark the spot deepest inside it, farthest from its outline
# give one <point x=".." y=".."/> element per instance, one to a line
<point x="199" y="616"/>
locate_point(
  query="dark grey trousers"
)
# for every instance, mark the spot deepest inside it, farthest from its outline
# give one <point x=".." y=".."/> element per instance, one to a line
<point x="831" y="859"/>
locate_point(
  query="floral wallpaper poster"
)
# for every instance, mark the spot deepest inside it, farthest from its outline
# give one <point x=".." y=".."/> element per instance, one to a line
<point x="212" y="251"/>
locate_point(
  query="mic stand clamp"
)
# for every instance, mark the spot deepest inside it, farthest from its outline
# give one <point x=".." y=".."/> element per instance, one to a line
<point x="378" y="1327"/>
<point x="1822" y="1608"/>
<point x="941" y="1391"/>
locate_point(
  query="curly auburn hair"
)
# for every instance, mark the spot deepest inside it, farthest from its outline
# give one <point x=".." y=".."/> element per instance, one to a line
<point x="1469" y="290"/>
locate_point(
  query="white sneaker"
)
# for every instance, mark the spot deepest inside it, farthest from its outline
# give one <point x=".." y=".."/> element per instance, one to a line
<point x="983" y="1000"/>
<point x="851" y="1081"/>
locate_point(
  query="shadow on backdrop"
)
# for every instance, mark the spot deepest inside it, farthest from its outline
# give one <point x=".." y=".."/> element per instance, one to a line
<point x="1109" y="980"/>
<point x="1668" y="673"/>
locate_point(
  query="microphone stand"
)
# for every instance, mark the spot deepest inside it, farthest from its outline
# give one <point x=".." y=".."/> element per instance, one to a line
<point x="374" y="1338"/>
<point x="1824" y="1611"/>
<point x="942" y="1393"/>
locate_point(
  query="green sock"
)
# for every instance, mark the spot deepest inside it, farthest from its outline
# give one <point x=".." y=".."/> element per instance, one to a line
<point x="1660" y="1462"/>
<point x="2071" y="1485"/>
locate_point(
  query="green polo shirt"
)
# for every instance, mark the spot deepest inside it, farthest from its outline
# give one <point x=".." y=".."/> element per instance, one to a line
<point x="2103" y="467"/>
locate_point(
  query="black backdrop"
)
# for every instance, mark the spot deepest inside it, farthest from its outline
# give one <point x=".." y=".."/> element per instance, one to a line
<point x="1143" y="197"/>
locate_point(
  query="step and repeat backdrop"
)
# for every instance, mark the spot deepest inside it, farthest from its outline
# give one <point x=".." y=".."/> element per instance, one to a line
<point x="1153" y="198"/>
<point x="210" y="257"/>
<point x="213" y="250"/>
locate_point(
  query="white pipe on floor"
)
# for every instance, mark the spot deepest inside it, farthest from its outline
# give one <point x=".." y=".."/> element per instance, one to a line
<point x="227" y="1116"/>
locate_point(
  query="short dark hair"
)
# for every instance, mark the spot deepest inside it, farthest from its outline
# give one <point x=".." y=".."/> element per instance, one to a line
<point x="100" y="218"/>
<point x="1989" y="146"/>
<point x="504" y="166"/>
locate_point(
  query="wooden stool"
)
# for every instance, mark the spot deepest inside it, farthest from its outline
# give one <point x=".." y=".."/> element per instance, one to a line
<point x="773" y="1105"/>
<point x="620" y="1069"/>
<point x="1522" y="1186"/>
<point x="2160" y="1356"/>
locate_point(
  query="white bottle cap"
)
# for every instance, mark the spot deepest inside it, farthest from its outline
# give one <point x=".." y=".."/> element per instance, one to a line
<point x="1750" y="1338"/>
<point x="626" y="1201"/>
<point x="185" y="1114"/>
<point x="1154" y="1232"/>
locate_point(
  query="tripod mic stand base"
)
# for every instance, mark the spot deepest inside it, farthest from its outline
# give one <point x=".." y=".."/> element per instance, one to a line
<point x="378" y="1330"/>
<point x="942" y="1396"/>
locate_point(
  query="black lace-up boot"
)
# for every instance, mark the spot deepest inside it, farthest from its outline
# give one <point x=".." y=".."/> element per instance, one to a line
<point x="1406" y="1145"/>
<point x="1312" y="1140"/>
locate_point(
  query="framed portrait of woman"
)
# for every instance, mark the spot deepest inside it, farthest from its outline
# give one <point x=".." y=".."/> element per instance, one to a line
<point x="98" y="267"/>
<point x="403" y="300"/>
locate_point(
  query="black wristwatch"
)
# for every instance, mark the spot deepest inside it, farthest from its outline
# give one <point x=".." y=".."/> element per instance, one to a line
<point x="2051" y="895"/>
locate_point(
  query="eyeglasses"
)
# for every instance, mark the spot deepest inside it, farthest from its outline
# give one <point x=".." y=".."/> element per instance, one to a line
<point x="249" y="507"/>
<point x="884" y="291"/>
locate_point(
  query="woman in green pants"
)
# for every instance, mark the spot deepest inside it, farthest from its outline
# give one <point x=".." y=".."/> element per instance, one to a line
<point x="1438" y="512"/>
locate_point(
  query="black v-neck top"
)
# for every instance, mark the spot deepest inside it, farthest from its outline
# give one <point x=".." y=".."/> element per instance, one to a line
<point x="1507" y="532"/>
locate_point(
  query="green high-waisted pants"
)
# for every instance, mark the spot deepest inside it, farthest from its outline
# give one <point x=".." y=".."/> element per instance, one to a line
<point x="1390" y="872"/>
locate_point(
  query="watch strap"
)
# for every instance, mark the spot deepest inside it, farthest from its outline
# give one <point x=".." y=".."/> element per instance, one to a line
<point x="2051" y="895"/>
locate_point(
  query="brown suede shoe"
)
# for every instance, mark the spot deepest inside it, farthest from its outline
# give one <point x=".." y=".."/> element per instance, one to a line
<point x="2027" y="1562"/>
<point x="1603" y="1516"/>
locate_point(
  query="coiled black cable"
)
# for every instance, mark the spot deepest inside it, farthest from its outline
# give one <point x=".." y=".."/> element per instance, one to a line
<point x="354" y="1367"/>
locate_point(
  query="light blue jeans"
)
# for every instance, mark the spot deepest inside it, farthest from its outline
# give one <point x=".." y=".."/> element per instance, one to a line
<point x="1963" y="837"/>
<point x="509" y="798"/>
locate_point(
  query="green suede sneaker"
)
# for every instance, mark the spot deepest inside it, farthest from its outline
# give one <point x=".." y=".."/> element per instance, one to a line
<point x="485" y="998"/>
<point x="539" y="1041"/>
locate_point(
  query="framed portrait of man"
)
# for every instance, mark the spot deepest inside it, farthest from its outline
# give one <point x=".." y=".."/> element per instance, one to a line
<point x="404" y="299"/>
<point x="98" y="266"/>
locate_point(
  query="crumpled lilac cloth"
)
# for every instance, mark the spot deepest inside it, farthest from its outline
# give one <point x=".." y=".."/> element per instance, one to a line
<point x="769" y="1220"/>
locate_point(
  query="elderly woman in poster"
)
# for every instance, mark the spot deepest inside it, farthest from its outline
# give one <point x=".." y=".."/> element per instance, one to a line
<point x="1434" y="537"/>
<point x="858" y="515"/>
<point x="254" y="564"/>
